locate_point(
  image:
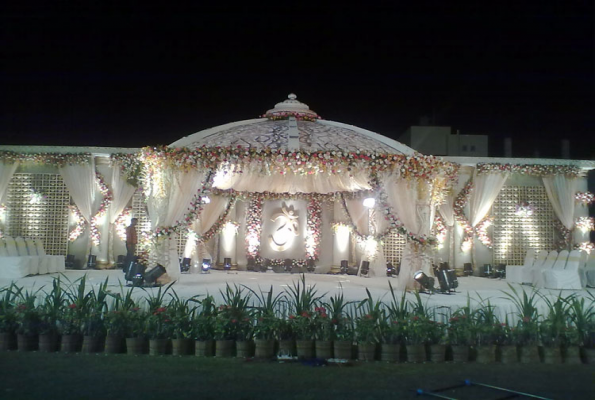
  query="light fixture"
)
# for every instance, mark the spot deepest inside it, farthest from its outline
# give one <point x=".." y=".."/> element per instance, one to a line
<point x="227" y="264"/>
<point x="135" y="274"/>
<point x="206" y="200"/>
<point x="425" y="281"/>
<point x="364" y="268"/>
<point x="154" y="274"/>
<point x="390" y="270"/>
<point x="467" y="269"/>
<point x="185" y="264"/>
<point x="344" y="266"/>
<point x="206" y="265"/>
<point x="311" y="265"/>
<point x="92" y="261"/>
<point x="369" y="202"/>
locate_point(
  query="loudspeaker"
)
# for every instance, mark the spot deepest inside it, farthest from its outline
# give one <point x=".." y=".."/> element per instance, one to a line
<point x="154" y="274"/>
<point x="185" y="264"/>
<point x="92" y="261"/>
<point x="344" y="266"/>
<point x="365" y="268"/>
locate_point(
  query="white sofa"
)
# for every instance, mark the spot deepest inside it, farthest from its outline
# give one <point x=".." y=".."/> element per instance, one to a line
<point x="21" y="257"/>
<point x="567" y="277"/>
<point x="514" y="273"/>
<point x="537" y="271"/>
<point x="527" y="272"/>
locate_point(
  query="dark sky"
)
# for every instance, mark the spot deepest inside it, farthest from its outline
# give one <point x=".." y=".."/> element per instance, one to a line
<point x="131" y="77"/>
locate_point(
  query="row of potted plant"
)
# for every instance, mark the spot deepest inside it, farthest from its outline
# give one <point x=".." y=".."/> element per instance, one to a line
<point x="296" y="322"/>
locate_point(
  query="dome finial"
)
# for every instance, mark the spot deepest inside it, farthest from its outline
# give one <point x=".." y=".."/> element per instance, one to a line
<point x="291" y="108"/>
<point x="292" y="96"/>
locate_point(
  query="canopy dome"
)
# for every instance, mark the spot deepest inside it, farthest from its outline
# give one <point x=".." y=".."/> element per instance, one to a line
<point x="292" y="126"/>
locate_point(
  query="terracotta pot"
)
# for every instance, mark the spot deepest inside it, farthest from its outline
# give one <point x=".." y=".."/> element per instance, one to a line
<point x="114" y="344"/>
<point x="416" y="353"/>
<point x="572" y="355"/>
<point x="305" y="348"/>
<point x="204" y="348"/>
<point x="389" y="352"/>
<point x="92" y="344"/>
<point x="552" y="355"/>
<point x="8" y="341"/>
<point x="287" y="348"/>
<point x="509" y="355"/>
<point x="437" y="353"/>
<point x="460" y="354"/>
<point x="264" y="348"/>
<point x="366" y="351"/>
<point x="180" y="347"/>
<point x="48" y="342"/>
<point x="244" y="348"/>
<point x="27" y="342"/>
<point x="71" y="343"/>
<point x="324" y="349"/>
<point x="224" y="348"/>
<point x="589" y="355"/>
<point x="486" y="354"/>
<point x="529" y="354"/>
<point x="343" y="349"/>
<point x="158" y="347"/>
<point x="136" y="346"/>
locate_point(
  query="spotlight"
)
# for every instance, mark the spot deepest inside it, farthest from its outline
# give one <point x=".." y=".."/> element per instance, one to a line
<point x="370" y="202"/>
<point x="227" y="264"/>
<point x="442" y="280"/>
<point x="135" y="274"/>
<point x="390" y="270"/>
<point x="92" y="261"/>
<point x="467" y="269"/>
<point x="500" y="271"/>
<point x="185" y="264"/>
<point x="487" y="271"/>
<point x="206" y="265"/>
<point x="70" y="261"/>
<point x="425" y="281"/>
<point x="311" y="266"/>
<point x="364" y="268"/>
<point x="452" y="279"/>
<point x="344" y="266"/>
<point x="154" y="274"/>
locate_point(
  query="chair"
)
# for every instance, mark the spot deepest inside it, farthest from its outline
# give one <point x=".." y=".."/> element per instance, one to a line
<point x="566" y="278"/>
<point x="527" y="272"/>
<point x="551" y="259"/>
<point x="514" y="273"/>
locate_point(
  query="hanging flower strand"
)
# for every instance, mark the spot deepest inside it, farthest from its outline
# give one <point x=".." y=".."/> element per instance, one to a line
<point x="79" y="223"/>
<point x="314" y="221"/>
<point x="458" y="207"/>
<point x="585" y="198"/>
<point x="105" y="203"/>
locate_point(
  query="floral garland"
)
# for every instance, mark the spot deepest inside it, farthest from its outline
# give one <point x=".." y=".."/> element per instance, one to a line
<point x="300" y="116"/>
<point x="194" y="210"/>
<point x="530" y="169"/>
<point x="254" y="226"/>
<point x="458" y="206"/>
<point x="105" y="203"/>
<point x="268" y="161"/>
<point x="585" y="198"/>
<point x="79" y="221"/>
<point x="217" y="226"/>
<point x="482" y="231"/>
<point x="565" y="233"/>
<point x="130" y="166"/>
<point x="122" y="222"/>
<point x="51" y="159"/>
<point x="587" y="247"/>
<point x="314" y="221"/>
<point x="321" y="197"/>
<point x="585" y="224"/>
<point x="524" y="209"/>
<point x="280" y="262"/>
<point x="440" y="230"/>
<point x="339" y="225"/>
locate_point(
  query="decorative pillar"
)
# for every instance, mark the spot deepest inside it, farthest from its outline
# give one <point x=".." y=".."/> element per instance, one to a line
<point x="228" y="238"/>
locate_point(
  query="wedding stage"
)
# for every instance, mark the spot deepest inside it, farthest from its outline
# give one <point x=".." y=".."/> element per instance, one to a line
<point x="353" y="288"/>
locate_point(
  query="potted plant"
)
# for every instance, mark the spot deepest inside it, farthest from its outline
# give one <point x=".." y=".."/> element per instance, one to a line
<point x="344" y="333"/>
<point x="93" y="323"/>
<point x="117" y="320"/>
<point x="8" y="317"/>
<point x="487" y="333"/>
<point x="582" y="316"/>
<point x="461" y="334"/>
<point x="136" y="330"/>
<point x="231" y="320"/>
<point x="74" y="315"/>
<point x="526" y="332"/>
<point x="436" y="340"/>
<point x="367" y="330"/>
<point x="266" y="324"/>
<point x="203" y="328"/>
<point x="391" y="336"/>
<point x="415" y="336"/>
<point x="182" y="314"/>
<point x="159" y="326"/>
<point x="552" y="328"/>
<point x="324" y="332"/>
<point x="285" y="338"/>
<point x="507" y="344"/>
<point x="28" y="321"/>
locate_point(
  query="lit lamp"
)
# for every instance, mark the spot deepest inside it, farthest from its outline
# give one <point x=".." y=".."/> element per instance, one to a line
<point x="425" y="281"/>
<point x="369" y="202"/>
<point x="227" y="264"/>
<point x="206" y="265"/>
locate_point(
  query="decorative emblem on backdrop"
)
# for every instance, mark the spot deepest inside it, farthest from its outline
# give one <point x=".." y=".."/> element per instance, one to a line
<point x="288" y="229"/>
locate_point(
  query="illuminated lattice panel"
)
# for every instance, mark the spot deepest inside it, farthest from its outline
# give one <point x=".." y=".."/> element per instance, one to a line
<point x="394" y="245"/>
<point x="513" y="235"/>
<point x="38" y="209"/>
<point x="139" y="210"/>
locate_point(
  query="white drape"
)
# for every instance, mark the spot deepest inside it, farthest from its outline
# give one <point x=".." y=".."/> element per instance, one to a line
<point x="560" y="191"/>
<point x="7" y="170"/>
<point x="122" y="192"/>
<point x="80" y="182"/>
<point x="254" y="181"/>
<point x="447" y="211"/>
<point x="168" y="199"/>
<point x="210" y="214"/>
<point x="359" y="215"/>
<point x="486" y="189"/>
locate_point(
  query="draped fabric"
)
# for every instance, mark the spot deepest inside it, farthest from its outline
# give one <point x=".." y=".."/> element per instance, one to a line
<point x="168" y="199"/>
<point x="209" y="216"/>
<point x="122" y="192"/>
<point x="560" y="191"/>
<point x="253" y="181"/>
<point x="7" y="170"/>
<point x="486" y="189"/>
<point x="446" y="210"/>
<point x="359" y="215"/>
<point x="80" y="182"/>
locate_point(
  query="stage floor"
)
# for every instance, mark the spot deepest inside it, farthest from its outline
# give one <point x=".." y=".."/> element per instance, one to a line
<point x="353" y="287"/>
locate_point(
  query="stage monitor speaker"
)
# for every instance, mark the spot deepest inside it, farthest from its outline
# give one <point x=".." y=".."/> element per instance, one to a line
<point x="69" y="263"/>
<point x="185" y="264"/>
<point x="364" y="268"/>
<point x="227" y="263"/>
<point x="92" y="261"/>
<point x="467" y="269"/>
<point x="154" y="274"/>
<point x="135" y="272"/>
<point x="344" y="266"/>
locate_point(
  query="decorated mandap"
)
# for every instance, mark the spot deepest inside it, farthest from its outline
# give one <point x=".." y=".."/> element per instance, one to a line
<point x="292" y="191"/>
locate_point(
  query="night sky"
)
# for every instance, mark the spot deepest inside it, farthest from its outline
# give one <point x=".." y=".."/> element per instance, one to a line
<point x="130" y="77"/>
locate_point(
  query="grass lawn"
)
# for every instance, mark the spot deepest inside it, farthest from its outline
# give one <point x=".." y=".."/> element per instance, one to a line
<point x="96" y="376"/>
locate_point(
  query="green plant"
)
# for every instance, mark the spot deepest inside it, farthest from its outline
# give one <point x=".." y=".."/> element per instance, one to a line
<point x="303" y="298"/>
<point x="367" y="328"/>
<point x="27" y="314"/>
<point x="8" y="316"/>
<point x="526" y="331"/>
<point x="203" y="324"/>
<point x="461" y="326"/>
<point x="119" y="319"/>
<point x="553" y="329"/>
<point x="52" y="307"/>
<point x="181" y="313"/>
<point x="582" y="315"/>
<point x="233" y="321"/>
<point x="488" y="330"/>
<point x="266" y="324"/>
<point x="96" y="306"/>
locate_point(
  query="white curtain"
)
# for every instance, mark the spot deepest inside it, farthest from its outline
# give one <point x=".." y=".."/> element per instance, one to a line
<point x="7" y="170"/>
<point x="168" y="199"/>
<point x="210" y="214"/>
<point x="359" y="215"/>
<point x="122" y="192"/>
<point x="80" y="181"/>
<point x="486" y="189"/>
<point x="446" y="210"/>
<point x="560" y="191"/>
